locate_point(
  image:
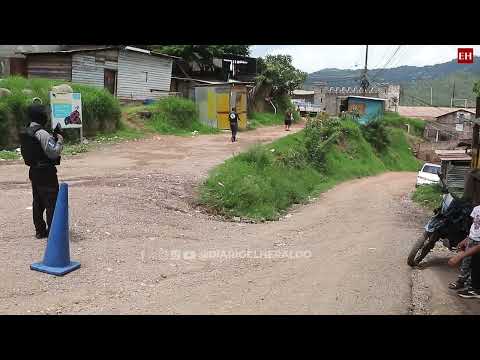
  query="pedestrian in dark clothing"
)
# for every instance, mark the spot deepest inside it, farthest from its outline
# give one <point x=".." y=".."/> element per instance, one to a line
<point x="234" y="118"/>
<point x="475" y="272"/>
<point x="288" y="120"/>
<point x="41" y="152"/>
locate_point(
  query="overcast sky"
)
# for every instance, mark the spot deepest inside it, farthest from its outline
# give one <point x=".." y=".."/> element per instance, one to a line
<point x="312" y="58"/>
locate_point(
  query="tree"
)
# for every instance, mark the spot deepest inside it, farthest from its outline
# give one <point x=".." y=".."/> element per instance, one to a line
<point x="202" y="54"/>
<point x="278" y="72"/>
<point x="476" y="88"/>
<point x="187" y="51"/>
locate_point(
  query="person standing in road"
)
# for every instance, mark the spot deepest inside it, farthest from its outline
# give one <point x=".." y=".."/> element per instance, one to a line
<point x="288" y="119"/>
<point x="41" y="152"/>
<point x="233" y="118"/>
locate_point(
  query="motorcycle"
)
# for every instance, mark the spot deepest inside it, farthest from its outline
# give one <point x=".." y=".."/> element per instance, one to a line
<point x="451" y="224"/>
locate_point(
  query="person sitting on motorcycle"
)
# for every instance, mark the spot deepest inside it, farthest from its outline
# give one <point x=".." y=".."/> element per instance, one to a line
<point x="468" y="247"/>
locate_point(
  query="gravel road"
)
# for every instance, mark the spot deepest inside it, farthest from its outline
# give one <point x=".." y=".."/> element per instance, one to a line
<point x="146" y="248"/>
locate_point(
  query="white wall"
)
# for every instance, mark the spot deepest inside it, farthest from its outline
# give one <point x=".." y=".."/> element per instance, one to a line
<point x="86" y="71"/>
<point x="132" y="82"/>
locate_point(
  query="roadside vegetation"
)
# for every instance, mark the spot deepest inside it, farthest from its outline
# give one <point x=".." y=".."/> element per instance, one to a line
<point x="100" y="110"/>
<point x="429" y="196"/>
<point x="264" y="119"/>
<point x="176" y="116"/>
<point x="124" y="133"/>
<point x="392" y="119"/>
<point x="264" y="182"/>
<point x="172" y="115"/>
<point x="259" y="119"/>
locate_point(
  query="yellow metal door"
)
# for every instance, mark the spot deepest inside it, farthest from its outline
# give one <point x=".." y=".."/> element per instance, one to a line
<point x="241" y="106"/>
<point x="223" y="102"/>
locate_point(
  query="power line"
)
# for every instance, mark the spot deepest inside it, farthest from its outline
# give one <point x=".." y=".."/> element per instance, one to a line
<point x="380" y="69"/>
<point x="382" y="58"/>
<point x="377" y="74"/>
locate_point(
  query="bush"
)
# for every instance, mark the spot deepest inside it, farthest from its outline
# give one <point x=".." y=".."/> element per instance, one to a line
<point x="101" y="110"/>
<point x="4" y="122"/>
<point x="398" y="154"/>
<point x="265" y="119"/>
<point x="429" y="196"/>
<point x="257" y="156"/>
<point x="375" y="132"/>
<point x="257" y="184"/>
<point x="283" y="103"/>
<point x="293" y="158"/>
<point x="392" y="119"/>
<point x="175" y="115"/>
<point x="266" y="180"/>
<point x="179" y="112"/>
<point x="318" y="132"/>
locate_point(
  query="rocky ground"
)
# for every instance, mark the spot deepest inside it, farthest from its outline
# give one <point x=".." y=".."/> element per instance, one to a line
<point x="147" y="248"/>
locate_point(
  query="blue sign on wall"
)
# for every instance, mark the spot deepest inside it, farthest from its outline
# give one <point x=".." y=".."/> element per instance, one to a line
<point x="61" y="110"/>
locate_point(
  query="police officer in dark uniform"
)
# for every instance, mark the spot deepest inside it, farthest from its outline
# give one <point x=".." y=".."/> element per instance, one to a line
<point x="233" y="118"/>
<point x="41" y="152"/>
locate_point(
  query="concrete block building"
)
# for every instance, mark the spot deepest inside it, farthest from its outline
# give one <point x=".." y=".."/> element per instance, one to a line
<point x="332" y="99"/>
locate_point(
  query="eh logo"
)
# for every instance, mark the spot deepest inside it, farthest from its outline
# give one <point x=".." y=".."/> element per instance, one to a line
<point x="465" y="56"/>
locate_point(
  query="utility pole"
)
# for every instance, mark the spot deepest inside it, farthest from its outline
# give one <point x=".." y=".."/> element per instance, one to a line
<point x="364" y="82"/>
<point x="453" y="94"/>
<point x="431" y="95"/>
<point x="475" y="136"/>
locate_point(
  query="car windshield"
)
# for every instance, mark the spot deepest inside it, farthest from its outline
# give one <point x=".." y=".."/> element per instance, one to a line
<point x="431" y="169"/>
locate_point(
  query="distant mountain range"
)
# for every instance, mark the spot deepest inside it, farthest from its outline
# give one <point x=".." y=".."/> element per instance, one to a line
<point x="415" y="81"/>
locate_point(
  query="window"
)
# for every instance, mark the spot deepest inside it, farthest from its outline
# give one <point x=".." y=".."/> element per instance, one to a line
<point x="459" y="127"/>
<point x="431" y="169"/>
<point x="146" y="76"/>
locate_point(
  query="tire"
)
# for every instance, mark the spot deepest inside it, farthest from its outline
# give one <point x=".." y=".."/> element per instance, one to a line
<point x="421" y="248"/>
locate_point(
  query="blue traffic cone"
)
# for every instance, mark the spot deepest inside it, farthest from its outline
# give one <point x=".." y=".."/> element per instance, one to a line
<point x="56" y="260"/>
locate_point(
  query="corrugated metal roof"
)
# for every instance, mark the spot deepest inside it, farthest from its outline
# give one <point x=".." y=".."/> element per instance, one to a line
<point x="426" y="112"/>
<point x="67" y="51"/>
<point x="154" y="53"/>
<point x="211" y="82"/>
<point x="453" y="155"/>
<point x="303" y="92"/>
<point x="457" y="110"/>
<point x="129" y="48"/>
<point x="455" y="158"/>
<point x="447" y="152"/>
<point x="215" y="83"/>
<point x="364" y="97"/>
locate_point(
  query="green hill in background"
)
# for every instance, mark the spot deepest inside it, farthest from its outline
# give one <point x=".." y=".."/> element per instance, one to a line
<point x="415" y="81"/>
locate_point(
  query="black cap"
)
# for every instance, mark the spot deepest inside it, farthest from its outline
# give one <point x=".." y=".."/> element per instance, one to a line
<point x="37" y="113"/>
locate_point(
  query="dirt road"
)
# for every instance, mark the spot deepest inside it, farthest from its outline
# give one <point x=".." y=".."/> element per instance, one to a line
<point x="142" y="242"/>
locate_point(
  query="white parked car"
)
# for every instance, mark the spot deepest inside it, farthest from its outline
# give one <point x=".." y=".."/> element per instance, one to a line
<point x="428" y="174"/>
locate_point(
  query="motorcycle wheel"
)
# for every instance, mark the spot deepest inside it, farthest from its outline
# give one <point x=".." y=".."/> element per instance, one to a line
<point x="421" y="248"/>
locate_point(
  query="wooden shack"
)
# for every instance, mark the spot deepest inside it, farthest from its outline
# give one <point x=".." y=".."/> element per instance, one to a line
<point x="215" y="101"/>
<point x="454" y="125"/>
<point x="455" y="165"/>
<point x="130" y="73"/>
